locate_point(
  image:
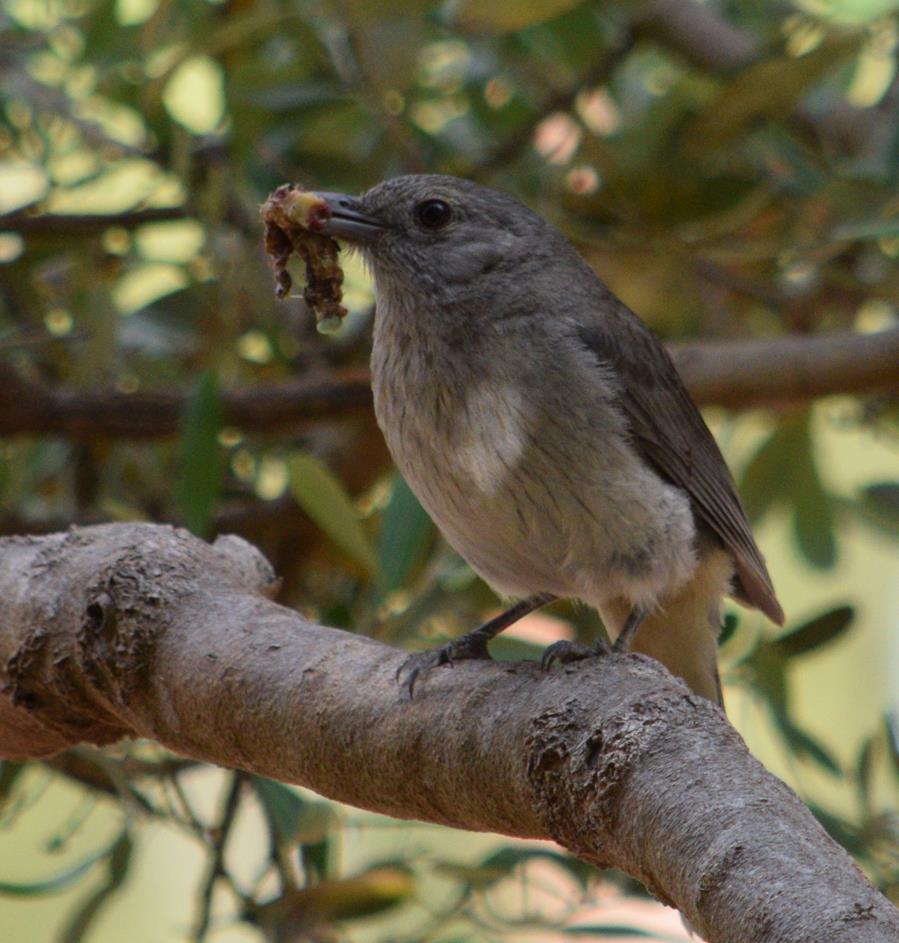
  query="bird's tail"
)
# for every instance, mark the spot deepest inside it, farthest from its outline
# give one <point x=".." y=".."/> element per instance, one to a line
<point x="682" y="633"/>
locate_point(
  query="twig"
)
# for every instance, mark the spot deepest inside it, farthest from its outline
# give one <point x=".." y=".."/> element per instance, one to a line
<point x="216" y="867"/>
<point x="67" y="224"/>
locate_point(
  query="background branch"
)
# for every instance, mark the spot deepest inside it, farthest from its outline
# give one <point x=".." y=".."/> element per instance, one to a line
<point x="736" y="374"/>
<point x="141" y="630"/>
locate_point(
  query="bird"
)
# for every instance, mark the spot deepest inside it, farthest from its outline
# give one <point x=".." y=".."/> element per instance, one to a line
<point x="545" y="429"/>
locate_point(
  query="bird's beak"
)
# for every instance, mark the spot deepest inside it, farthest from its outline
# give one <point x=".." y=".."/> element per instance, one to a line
<point x="347" y="221"/>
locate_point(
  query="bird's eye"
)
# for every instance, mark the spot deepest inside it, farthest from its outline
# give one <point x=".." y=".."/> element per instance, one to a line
<point x="433" y="214"/>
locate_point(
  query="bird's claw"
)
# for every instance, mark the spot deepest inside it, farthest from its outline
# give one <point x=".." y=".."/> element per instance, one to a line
<point x="565" y="652"/>
<point x="468" y="647"/>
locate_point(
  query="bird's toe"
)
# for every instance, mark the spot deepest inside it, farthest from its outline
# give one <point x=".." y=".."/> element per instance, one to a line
<point x="418" y="664"/>
<point x="565" y="652"/>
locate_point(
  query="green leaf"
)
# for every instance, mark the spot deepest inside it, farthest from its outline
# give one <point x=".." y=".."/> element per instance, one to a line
<point x="891" y="728"/>
<point x="763" y="482"/>
<point x="509" y="16"/>
<point x="292" y="817"/>
<point x="864" y="767"/>
<point x="816" y="632"/>
<point x="813" y="521"/>
<point x="406" y="534"/>
<point x="805" y="745"/>
<point x="840" y="831"/>
<point x="500" y="864"/>
<point x="763" y="91"/>
<point x="59" y="882"/>
<point x="880" y="504"/>
<point x="371" y="892"/>
<point x="766" y="668"/>
<point x="729" y="628"/>
<point x="783" y="471"/>
<point x="322" y="496"/>
<point x="202" y="463"/>
<point x="282" y="805"/>
<point x="118" y="865"/>
<point x="10" y="772"/>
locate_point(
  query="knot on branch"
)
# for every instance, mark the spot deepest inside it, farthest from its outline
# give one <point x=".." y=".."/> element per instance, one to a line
<point x="579" y="761"/>
<point x="87" y="637"/>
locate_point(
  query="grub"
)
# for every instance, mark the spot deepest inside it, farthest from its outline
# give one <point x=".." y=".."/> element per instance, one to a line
<point x="293" y="220"/>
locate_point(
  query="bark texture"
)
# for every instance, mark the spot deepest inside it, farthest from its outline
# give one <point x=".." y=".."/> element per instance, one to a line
<point x="144" y="631"/>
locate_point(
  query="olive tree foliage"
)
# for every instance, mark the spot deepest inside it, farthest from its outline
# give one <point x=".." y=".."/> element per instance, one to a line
<point x="729" y="168"/>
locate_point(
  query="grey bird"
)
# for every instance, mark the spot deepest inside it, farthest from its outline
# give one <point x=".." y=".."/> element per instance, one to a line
<point x="545" y="429"/>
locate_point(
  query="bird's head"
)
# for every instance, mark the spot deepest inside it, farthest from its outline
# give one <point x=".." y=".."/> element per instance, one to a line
<point x="441" y="236"/>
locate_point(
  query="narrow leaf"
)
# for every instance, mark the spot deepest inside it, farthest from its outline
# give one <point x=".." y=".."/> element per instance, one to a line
<point x="816" y="632"/>
<point x="763" y="482"/>
<point x="202" y="464"/>
<point x="293" y="818"/>
<point x="806" y="746"/>
<point x="864" y="767"/>
<point x="406" y="535"/>
<point x="813" y="521"/>
<point x="322" y="496"/>
<point x="729" y="628"/>
<point x="58" y="882"/>
<point x="117" y="870"/>
<point x="10" y="771"/>
<point x="840" y="831"/>
<point x="880" y="505"/>
<point x="368" y="893"/>
<point x="891" y="728"/>
<point x="282" y="805"/>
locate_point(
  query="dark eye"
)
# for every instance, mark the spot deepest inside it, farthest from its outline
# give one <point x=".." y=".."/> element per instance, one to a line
<point x="433" y="214"/>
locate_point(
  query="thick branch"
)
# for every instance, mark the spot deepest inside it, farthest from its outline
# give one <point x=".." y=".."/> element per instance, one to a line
<point x="140" y="630"/>
<point x="741" y="374"/>
<point x="736" y="374"/>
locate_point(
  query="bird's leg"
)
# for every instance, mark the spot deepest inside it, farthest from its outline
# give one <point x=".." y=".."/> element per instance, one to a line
<point x="565" y="651"/>
<point x="629" y="630"/>
<point x="472" y="645"/>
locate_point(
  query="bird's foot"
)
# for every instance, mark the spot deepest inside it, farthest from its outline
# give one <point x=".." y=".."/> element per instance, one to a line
<point x="565" y="652"/>
<point x="471" y="646"/>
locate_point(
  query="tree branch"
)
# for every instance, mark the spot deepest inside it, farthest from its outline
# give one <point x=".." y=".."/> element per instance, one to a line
<point x="140" y="630"/>
<point x="747" y="373"/>
<point x="80" y="224"/>
<point x="699" y="34"/>
<point x="26" y="407"/>
<point x="736" y="374"/>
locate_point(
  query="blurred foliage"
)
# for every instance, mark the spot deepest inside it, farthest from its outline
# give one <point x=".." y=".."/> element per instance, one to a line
<point x="734" y="183"/>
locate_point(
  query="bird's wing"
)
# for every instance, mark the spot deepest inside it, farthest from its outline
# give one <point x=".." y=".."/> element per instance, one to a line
<point x="669" y="431"/>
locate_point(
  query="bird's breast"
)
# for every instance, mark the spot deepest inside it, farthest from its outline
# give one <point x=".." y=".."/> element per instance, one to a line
<point x="528" y="473"/>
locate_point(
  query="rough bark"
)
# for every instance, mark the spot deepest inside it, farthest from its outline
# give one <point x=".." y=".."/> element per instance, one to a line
<point x="144" y="631"/>
<point x="735" y="374"/>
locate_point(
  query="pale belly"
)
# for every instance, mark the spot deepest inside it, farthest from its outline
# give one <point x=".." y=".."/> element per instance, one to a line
<point x="536" y="502"/>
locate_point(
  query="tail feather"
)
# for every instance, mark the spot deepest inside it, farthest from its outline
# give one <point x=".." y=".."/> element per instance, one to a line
<point x="683" y="632"/>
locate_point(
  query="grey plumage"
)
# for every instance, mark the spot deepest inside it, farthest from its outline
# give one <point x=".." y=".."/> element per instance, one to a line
<point x="542" y="424"/>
